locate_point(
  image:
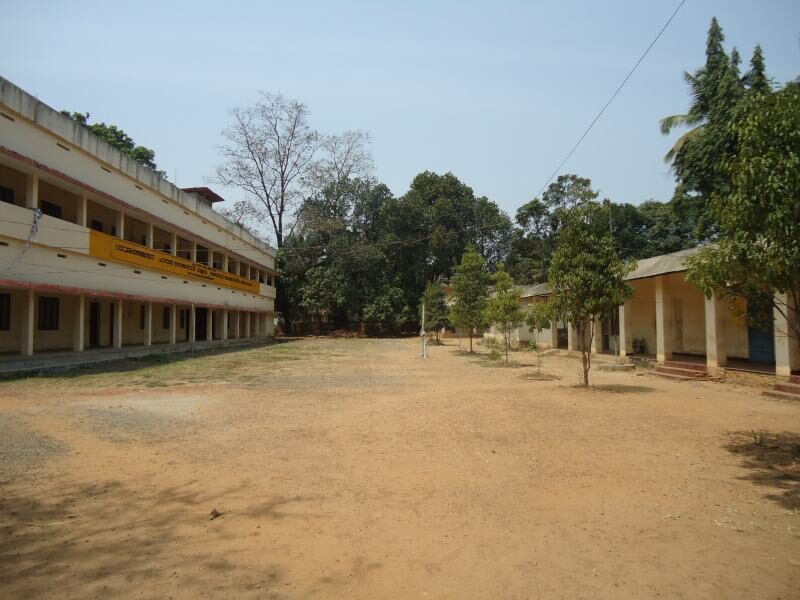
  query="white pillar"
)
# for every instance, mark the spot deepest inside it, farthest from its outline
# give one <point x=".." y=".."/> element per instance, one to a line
<point x="150" y="235"/>
<point x="664" y="320"/>
<point x="572" y="338"/>
<point x="173" y="324"/>
<point x="237" y="325"/>
<point x="121" y="224"/>
<point x="210" y="257"/>
<point x="148" y="323"/>
<point x="224" y="324"/>
<point x="78" y="325"/>
<point x="716" y="347"/>
<point x="191" y="324"/>
<point x="787" y="348"/>
<point x="32" y="191"/>
<point x="173" y="244"/>
<point x="597" y="338"/>
<point x="209" y="324"/>
<point x="625" y="329"/>
<point x="83" y="204"/>
<point x="28" y="322"/>
<point x="118" y="323"/>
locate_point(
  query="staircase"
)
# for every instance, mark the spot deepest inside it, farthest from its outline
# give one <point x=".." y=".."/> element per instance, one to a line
<point x="786" y="391"/>
<point x="675" y="369"/>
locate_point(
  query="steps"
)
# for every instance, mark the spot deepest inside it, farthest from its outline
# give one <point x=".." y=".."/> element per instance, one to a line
<point x="676" y="369"/>
<point x="786" y="391"/>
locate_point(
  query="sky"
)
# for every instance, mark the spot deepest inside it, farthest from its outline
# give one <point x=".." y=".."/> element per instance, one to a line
<point x="495" y="92"/>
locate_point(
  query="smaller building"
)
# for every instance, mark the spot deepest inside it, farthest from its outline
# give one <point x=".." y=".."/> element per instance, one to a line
<point x="668" y="317"/>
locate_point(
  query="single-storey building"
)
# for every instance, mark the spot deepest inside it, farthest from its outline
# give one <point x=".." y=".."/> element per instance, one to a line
<point x="668" y="318"/>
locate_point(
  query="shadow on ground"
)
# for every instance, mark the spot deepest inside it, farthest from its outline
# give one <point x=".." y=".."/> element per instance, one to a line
<point x="621" y="388"/>
<point x="106" y="539"/>
<point x="773" y="460"/>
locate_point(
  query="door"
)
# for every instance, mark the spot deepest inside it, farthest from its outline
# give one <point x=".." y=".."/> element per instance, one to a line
<point x="200" y="323"/>
<point x="94" y="324"/>
<point x="760" y="337"/>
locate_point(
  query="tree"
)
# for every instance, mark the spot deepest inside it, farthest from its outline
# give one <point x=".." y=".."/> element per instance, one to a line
<point x="119" y="139"/>
<point x="538" y="318"/>
<point x="470" y="293"/>
<point x="698" y="155"/>
<point x="758" y="250"/>
<point x="503" y="309"/>
<point x="436" y="313"/>
<point x="587" y="277"/>
<point x="269" y="154"/>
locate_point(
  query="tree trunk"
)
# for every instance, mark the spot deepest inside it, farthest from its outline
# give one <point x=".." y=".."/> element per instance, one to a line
<point x="470" y="341"/>
<point x="507" y="340"/>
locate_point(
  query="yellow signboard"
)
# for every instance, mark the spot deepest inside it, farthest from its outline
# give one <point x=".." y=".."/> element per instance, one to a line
<point x="108" y="247"/>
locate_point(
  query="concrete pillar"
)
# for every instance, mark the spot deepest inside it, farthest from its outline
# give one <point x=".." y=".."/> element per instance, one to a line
<point x="83" y="205"/>
<point x="28" y="322"/>
<point x="173" y="244"/>
<point x="194" y="251"/>
<point x="32" y="191"/>
<point x="191" y="324"/>
<point x="224" y="335"/>
<point x="237" y="324"/>
<point x="210" y="257"/>
<point x="209" y="324"/>
<point x="78" y="325"/>
<point x="118" y="323"/>
<point x="225" y="262"/>
<point x="572" y="341"/>
<point x="664" y="320"/>
<point x="121" y="224"/>
<point x="597" y="338"/>
<point x="787" y="348"/>
<point x="716" y="347"/>
<point x="173" y="324"/>
<point x="247" y="324"/>
<point x="625" y="329"/>
<point x="150" y="235"/>
<point x="148" y="323"/>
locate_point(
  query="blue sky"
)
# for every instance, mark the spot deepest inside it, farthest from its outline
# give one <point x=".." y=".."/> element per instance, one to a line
<point x="496" y="92"/>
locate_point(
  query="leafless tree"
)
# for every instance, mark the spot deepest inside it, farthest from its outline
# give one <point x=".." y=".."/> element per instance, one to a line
<point x="342" y="157"/>
<point x="269" y="154"/>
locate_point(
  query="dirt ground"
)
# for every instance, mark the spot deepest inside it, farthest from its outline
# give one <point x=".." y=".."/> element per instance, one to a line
<point x="351" y="468"/>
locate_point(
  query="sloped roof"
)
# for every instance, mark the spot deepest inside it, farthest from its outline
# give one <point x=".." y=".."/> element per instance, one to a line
<point x="647" y="267"/>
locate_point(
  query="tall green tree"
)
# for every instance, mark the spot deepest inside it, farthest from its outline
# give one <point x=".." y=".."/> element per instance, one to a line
<point x="503" y="309"/>
<point x="587" y="276"/>
<point x="470" y="293"/>
<point x="436" y="312"/>
<point x="119" y="139"/>
<point x="758" y="250"/>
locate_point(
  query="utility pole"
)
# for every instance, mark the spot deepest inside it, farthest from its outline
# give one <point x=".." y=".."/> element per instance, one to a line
<point x="422" y="334"/>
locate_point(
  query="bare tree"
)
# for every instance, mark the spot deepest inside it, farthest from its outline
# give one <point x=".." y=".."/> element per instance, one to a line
<point x="269" y="155"/>
<point x="343" y="157"/>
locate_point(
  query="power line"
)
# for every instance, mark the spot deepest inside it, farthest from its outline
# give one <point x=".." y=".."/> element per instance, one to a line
<point x="613" y="96"/>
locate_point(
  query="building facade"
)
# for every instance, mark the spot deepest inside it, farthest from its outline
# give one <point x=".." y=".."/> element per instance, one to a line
<point x="668" y="318"/>
<point x="98" y="251"/>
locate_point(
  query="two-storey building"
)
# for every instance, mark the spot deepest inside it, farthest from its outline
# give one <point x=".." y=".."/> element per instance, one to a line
<point x="98" y="251"/>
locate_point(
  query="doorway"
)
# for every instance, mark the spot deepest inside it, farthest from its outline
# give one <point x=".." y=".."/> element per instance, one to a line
<point x="94" y="324"/>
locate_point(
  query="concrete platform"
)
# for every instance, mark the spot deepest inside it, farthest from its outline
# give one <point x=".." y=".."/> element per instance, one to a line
<point x="48" y="362"/>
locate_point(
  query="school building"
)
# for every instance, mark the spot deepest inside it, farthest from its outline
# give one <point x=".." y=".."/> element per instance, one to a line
<point x="670" y="320"/>
<point x="100" y="252"/>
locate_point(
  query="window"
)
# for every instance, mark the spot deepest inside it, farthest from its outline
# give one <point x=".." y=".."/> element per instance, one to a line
<point x="141" y="316"/>
<point x="97" y="225"/>
<point x="48" y="313"/>
<point x="50" y="209"/>
<point x="6" y="195"/>
<point x="5" y="312"/>
<point x="269" y="279"/>
<point x="166" y="318"/>
<point x="183" y="319"/>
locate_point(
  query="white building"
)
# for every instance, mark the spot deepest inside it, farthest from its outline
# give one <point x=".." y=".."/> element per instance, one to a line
<point x="98" y="251"/>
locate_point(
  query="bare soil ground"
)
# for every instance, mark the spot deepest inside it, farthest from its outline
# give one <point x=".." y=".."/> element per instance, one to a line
<point x="351" y="468"/>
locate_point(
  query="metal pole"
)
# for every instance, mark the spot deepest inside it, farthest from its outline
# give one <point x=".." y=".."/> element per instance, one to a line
<point x="422" y="333"/>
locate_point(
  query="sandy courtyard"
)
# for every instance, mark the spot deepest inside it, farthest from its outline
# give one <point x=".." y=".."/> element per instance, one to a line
<point x="354" y="469"/>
